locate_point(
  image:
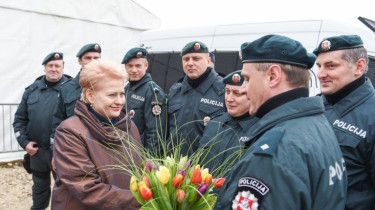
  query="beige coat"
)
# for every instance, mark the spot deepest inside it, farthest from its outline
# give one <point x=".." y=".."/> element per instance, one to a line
<point x="85" y="176"/>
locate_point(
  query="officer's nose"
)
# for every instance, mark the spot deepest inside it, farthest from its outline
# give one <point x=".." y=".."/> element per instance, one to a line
<point x="321" y="73"/>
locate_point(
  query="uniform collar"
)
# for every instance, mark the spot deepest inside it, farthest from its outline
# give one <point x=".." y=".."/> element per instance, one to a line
<point x="43" y="86"/>
<point x="144" y="79"/>
<point x="76" y="80"/>
<point x="356" y="97"/>
<point x="244" y="123"/>
<point x="203" y="87"/>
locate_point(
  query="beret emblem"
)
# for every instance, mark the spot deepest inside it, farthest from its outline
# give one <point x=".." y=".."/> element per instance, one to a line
<point x="197" y="46"/>
<point x="326" y="45"/>
<point x="236" y="78"/>
<point x="96" y="47"/>
<point x="139" y="54"/>
<point x="57" y="56"/>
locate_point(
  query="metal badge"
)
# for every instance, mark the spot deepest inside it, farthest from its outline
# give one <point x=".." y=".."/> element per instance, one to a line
<point x="156" y="110"/>
<point x="139" y="54"/>
<point x="96" y="47"/>
<point x="206" y="120"/>
<point x="326" y="45"/>
<point x="57" y="56"/>
<point x="236" y="78"/>
<point x="197" y="46"/>
<point x="131" y="113"/>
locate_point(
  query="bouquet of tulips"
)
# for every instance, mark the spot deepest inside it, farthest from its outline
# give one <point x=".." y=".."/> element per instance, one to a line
<point x="172" y="184"/>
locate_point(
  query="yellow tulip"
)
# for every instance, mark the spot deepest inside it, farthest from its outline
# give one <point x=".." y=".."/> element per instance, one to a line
<point x="133" y="184"/>
<point x="182" y="162"/>
<point x="204" y="172"/>
<point x="163" y="174"/>
<point x="198" y="167"/>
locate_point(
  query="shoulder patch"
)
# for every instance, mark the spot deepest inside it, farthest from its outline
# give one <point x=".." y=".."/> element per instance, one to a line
<point x="268" y="143"/>
<point x="249" y="193"/>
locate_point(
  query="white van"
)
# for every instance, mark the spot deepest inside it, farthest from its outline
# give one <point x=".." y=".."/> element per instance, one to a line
<point x="164" y="45"/>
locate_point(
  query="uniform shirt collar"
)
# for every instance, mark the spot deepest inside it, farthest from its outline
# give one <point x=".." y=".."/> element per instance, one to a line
<point x="203" y="87"/>
<point x="357" y="96"/>
<point x="346" y="90"/>
<point x="138" y="84"/>
<point x="281" y="99"/>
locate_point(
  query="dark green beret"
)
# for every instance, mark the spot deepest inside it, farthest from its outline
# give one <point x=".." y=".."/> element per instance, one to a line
<point x="93" y="47"/>
<point x="212" y="56"/>
<point x="339" y="43"/>
<point x="136" y="52"/>
<point x="234" y="78"/>
<point x="53" y="56"/>
<point x="277" y="49"/>
<point x="194" y="47"/>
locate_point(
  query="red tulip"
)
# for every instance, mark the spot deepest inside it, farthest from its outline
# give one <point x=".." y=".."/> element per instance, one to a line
<point x="177" y="180"/>
<point x="145" y="192"/>
<point x="219" y="182"/>
<point x="196" y="177"/>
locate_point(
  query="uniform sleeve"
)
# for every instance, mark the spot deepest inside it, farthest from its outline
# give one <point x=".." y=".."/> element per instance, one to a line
<point x="372" y="162"/>
<point x="79" y="175"/>
<point x="21" y="120"/>
<point x="59" y="114"/>
<point x="155" y="120"/>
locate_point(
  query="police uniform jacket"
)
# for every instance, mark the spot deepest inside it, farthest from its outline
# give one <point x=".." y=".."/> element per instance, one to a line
<point x="32" y="121"/>
<point x="188" y="106"/>
<point x="223" y="139"/>
<point x="292" y="162"/>
<point x="70" y="92"/>
<point x="353" y="122"/>
<point x="85" y="151"/>
<point x="145" y="100"/>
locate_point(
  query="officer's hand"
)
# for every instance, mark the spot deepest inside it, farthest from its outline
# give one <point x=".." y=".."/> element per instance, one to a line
<point x="53" y="165"/>
<point x="32" y="148"/>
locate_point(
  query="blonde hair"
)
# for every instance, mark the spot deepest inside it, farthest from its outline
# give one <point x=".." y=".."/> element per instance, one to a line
<point x="92" y="74"/>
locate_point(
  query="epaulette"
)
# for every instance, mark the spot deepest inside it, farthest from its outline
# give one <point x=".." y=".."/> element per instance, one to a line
<point x="39" y="78"/>
<point x="71" y="78"/>
<point x="268" y="143"/>
<point x="154" y="87"/>
<point x="219" y="85"/>
<point x="33" y="86"/>
<point x="67" y="76"/>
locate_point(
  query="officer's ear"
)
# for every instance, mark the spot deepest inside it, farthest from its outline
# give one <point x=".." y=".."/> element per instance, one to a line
<point x="360" y="67"/>
<point x="274" y="75"/>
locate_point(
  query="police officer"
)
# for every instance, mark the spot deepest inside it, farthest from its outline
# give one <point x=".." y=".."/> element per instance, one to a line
<point x="349" y="99"/>
<point x="224" y="135"/>
<point x="145" y="100"/>
<point x="32" y="125"/>
<point x="196" y="99"/>
<point x="292" y="161"/>
<point x="70" y="91"/>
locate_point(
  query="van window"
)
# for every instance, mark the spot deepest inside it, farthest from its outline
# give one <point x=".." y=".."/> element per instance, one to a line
<point x="166" y="68"/>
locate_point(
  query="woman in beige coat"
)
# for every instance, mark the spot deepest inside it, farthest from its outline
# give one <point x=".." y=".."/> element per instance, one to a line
<point x="88" y="145"/>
